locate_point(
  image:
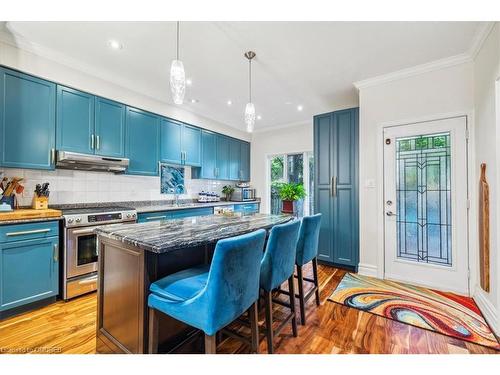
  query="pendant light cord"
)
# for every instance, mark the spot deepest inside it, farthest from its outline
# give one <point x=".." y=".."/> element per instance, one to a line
<point x="250" y="79"/>
<point x="177" y="40"/>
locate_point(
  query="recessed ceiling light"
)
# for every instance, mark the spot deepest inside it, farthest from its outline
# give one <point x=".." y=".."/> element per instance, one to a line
<point x="299" y="107"/>
<point x="229" y="102"/>
<point x="189" y="81"/>
<point x="194" y="100"/>
<point x="259" y="117"/>
<point x="114" y="44"/>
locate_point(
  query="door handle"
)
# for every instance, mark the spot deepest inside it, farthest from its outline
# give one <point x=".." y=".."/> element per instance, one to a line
<point x="390" y="213"/>
<point x="12" y="234"/>
<point x="52" y="155"/>
<point x="98" y="142"/>
<point x="55" y="253"/>
<point x="92" y="141"/>
<point x="84" y="231"/>
<point x="156" y="217"/>
<point x="333" y="186"/>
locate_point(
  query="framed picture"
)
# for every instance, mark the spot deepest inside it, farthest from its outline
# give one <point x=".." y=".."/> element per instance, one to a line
<point x="171" y="179"/>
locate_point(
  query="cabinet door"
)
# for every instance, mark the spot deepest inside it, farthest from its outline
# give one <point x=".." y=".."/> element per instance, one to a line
<point x="142" y="139"/>
<point x="234" y="159"/>
<point x="75" y="121"/>
<point x="145" y="217"/>
<point x="27" y="121"/>
<point x="345" y="171"/>
<point x="190" y="212"/>
<point x="29" y="271"/>
<point x="170" y="141"/>
<point x="222" y="158"/>
<point x="191" y="145"/>
<point x="323" y="166"/>
<point x="109" y="128"/>
<point x="209" y="153"/>
<point x="245" y="161"/>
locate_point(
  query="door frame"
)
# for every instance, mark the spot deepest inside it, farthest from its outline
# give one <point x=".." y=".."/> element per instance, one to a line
<point x="472" y="249"/>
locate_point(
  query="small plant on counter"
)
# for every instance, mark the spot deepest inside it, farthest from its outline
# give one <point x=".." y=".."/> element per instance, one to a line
<point x="228" y="190"/>
<point x="289" y="193"/>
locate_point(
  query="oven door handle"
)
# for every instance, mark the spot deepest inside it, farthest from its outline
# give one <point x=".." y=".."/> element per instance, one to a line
<point x="90" y="280"/>
<point x="84" y="231"/>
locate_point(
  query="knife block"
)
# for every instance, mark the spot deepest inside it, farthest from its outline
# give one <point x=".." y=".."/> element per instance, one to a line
<point x="40" y="203"/>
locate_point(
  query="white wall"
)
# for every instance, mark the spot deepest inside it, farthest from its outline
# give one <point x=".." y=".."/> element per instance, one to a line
<point x="447" y="90"/>
<point x="487" y="133"/>
<point x="297" y="138"/>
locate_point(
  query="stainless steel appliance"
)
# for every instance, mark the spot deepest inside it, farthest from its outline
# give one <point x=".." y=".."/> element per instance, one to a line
<point x="86" y="162"/>
<point x="241" y="194"/>
<point x="80" y="245"/>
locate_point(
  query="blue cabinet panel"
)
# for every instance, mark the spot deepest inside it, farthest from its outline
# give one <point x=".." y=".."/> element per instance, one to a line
<point x="191" y="145"/>
<point x="336" y="186"/>
<point x="17" y="232"/>
<point x="189" y="212"/>
<point x="142" y="142"/>
<point x="234" y="159"/>
<point x="222" y="163"/>
<point x="144" y="217"/>
<point x="247" y="208"/>
<point x="75" y="121"/>
<point x="109" y="128"/>
<point x="209" y="155"/>
<point x="27" y="121"/>
<point x="245" y="161"/>
<point x="170" y="141"/>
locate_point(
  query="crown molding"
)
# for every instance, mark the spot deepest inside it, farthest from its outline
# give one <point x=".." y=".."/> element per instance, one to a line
<point x="413" y="71"/>
<point x="484" y="30"/>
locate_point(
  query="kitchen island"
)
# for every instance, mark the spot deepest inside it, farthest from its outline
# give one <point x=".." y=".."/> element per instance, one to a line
<point x="132" y="256"/>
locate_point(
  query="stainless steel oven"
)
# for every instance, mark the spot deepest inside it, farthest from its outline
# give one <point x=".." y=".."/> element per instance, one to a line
<point x="80" y="242"/>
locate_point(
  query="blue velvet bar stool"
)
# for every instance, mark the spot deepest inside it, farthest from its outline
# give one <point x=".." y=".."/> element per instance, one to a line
<point x="209" y="297"/>
<point x="277" y="266"/>
<point x="307" y="251"/>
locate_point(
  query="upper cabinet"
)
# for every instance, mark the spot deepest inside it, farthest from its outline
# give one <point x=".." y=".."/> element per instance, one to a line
<point x="244" y="161"/>
<point x="222" y="158"/>
<point x="75" y="121"/>
<point x="142" y="142"/>
<point x="208" y="158"/>
<point x="180" y="143"/>
<point x="27" y="121"/>
<point x="109" y="128"/>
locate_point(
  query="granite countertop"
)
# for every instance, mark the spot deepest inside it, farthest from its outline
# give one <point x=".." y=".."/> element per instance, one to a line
<point x="140" y="207"/>
<point x="167" y="235"/>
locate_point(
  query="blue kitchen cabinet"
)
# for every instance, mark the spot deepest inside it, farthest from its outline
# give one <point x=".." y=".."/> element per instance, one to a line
<point x="145" y="217"/>
<point x="177" y="214"/>
<point x="244" y="161"/>
<point x="27" y="121"/>
<point x="109" y="128"/>
<point x="29" y="264"/>
<point x="247" y="208"/>
<point x="180" y="143"/>
<point x="75" y="121"/>
<point x="208" y="156"/>
<point x="336" y="186"/>
<point x="234" y="159"/>
<point x="142" y="142"/>
<point x="222" y="157"/>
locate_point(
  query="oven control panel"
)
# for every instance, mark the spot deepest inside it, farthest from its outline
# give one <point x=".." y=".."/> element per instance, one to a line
<point x="99" y="218"/>
<point x="104" y="217"/>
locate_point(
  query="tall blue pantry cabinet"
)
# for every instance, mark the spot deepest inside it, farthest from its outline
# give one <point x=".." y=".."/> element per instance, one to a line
<point x="336" y="184"/>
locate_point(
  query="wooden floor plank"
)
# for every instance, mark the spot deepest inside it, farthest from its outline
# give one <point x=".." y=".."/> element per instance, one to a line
<point x="69" y="327"/>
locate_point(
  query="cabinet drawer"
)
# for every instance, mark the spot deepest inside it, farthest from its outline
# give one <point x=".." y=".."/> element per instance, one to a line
<point x="189" y="212"/>
<point x="152" y="216"/>
<point x="247" y="208"/>
<point x="21" y="232"/>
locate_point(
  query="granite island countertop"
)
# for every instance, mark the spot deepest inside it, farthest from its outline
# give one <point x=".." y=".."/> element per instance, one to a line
<point x="167" y="235"/>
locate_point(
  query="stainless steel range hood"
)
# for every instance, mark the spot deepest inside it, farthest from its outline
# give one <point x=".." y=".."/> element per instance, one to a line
<point x="85" y="162"/>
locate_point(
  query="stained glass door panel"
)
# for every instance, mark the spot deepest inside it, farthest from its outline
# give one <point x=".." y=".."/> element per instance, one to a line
<point x="423" y="188"/>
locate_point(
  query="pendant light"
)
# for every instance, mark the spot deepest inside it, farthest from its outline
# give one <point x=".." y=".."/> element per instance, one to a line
<point x="177" y="76"/>
<point x="250" y="108"/>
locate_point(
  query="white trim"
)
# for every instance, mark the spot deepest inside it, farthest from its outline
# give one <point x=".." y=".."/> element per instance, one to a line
<point x="481" y="35"/>
<point x="284" y="126"/>
<point x="487" y="309"/>
<point x="413" y="71"/>
<point x="367" y="270"/>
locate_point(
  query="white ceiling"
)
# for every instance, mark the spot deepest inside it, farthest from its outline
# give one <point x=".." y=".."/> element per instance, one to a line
<point x="313" y="64"/>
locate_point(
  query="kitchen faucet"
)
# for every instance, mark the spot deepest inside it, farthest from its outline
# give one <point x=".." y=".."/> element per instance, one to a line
<point x="176" y="193"/>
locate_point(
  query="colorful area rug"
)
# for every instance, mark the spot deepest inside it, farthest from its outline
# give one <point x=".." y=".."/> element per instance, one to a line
<point x="442" y="312"/>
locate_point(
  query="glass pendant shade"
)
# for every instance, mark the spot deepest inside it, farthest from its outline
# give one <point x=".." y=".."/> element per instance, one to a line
<point x="177" y="81"/>
<point x="250" y="117"/>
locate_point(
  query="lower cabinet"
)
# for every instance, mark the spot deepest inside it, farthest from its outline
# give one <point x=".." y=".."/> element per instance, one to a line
<point x="29" y="264"/>
<point x="247" y="208"/>
<point x="178" y="214"/>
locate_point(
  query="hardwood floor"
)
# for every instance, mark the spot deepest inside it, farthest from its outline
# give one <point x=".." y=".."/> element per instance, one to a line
<point x="69" y="327"/>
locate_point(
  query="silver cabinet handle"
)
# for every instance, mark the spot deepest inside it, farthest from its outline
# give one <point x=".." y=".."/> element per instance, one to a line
<point x="334" y="186"/>
<point x="13" y="234"/>
<point x="185" y="156"/>
<point x="156" y="217"/>
<point x="98" y="142"/>
<point x="92" y="141"/>
<point x="52" y="155"/>
<point x="56" y="253"/>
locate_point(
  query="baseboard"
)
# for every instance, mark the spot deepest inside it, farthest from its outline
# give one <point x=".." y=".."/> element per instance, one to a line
<point x="487" y="309"/>
<point x="367" y="270"/>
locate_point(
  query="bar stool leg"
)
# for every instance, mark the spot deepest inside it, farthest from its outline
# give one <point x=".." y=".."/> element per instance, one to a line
<point x="316" y="282"/>
<point x="254" y="327"/>
<point x="269" y="321"/>
<point x="301" y="296"/>
<point x="153" y="332"/>
<point x="291" y="290"/>
<point x="210" y="344"/>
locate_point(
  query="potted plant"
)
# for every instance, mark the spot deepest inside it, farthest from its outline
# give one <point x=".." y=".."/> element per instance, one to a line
<point x="227" y="190"/>
<point x="289" y="193"/>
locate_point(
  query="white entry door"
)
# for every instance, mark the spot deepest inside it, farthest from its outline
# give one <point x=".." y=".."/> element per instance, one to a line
<point x="425" y="201"/>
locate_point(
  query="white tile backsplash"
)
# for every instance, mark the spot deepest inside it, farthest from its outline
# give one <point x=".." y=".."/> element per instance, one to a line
<point x="67" y="186"/>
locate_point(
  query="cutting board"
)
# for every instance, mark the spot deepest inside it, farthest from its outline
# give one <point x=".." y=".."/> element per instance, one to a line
<point x="29" y="213"/>
<point x="484" y="231"/>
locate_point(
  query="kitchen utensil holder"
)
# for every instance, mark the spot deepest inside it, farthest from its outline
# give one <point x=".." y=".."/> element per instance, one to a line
<point x="40" y="203"/>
